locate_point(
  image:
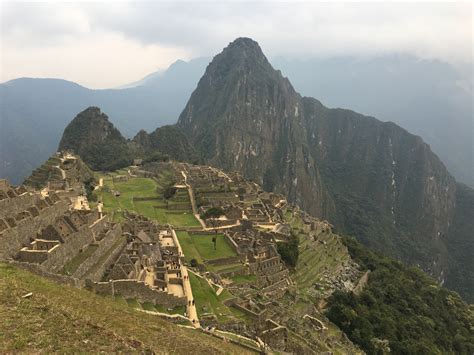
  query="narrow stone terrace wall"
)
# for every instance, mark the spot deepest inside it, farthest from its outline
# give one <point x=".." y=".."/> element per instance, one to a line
<point x="13" y="239"/>
<point x="39" y="270"/>
<point x="103" y="246"/>
<point x="99" y="272"/>
<point x="132" y="289"/>
<point x="68" y="250"/>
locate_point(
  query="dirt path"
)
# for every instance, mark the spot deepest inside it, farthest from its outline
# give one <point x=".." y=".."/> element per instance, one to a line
<point x="191" y="311"/>
<point x="362" y="282"/>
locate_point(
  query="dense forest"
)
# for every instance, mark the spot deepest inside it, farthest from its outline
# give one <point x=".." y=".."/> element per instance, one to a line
<point x="401" y="310"/>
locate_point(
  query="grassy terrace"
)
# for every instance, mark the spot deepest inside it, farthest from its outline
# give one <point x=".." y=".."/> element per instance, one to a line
<point x="155" y="206"/>
<point x="61" y="318"/>
<point x="201" y="247"/>
<point x="315" y="258"/>
<point x="208" y="302"/>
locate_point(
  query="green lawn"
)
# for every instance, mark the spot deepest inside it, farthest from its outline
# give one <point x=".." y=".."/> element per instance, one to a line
<point x="205" y="246"/>
<point x="154" y="209"/>
<point x="244" y="279"/>
<point x="200" y="247"/>
<point x="207" y="301"/>
<point x="182" y="219"/>
<point x="189" y="249"/>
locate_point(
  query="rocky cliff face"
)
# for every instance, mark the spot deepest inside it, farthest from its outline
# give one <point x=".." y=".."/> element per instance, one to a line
<point x="245" y="116"/>
<point x="371" y="179"/>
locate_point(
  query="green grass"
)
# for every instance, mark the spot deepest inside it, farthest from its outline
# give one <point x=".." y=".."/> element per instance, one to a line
<point x="189" y="249"/>
<point x="133" y="303"/>
<point x="59" y="318"/>
<point x="245" y="279"/>
<point x="182" y="219"/>
<point x="154" y="209"/>
<point x="71" y="267"/>
<point x="238" y="339"/>
<point x="175" y="310"/>
<point x="200" y="247"/>
<point x="205" y="296"/>
<point x="226" y="267"/>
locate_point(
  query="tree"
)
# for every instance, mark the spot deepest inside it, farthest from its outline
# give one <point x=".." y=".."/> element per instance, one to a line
<point x="213" y="212"/>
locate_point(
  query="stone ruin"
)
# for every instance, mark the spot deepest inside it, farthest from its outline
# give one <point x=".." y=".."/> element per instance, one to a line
<point x="148" y="268"/>
<point x="240" y="200"/>
<point x="63" y="171"/>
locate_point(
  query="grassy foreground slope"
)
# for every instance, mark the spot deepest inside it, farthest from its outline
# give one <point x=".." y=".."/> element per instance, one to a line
<point x="61" y="318"/>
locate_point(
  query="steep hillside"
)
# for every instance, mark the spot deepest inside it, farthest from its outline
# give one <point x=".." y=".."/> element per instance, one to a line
<point x="372" y="179"/>
<point x="427" y="97"/>
<point x="460" y="244"/>
<point x="91" y="135"/>
<point x="59" y="318"/>
<point x="401" y="309"/>
<point x="167" y="140"/>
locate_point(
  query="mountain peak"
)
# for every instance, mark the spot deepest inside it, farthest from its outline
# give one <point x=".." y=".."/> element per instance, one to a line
<point x="92" y="136"/>
<point x="244" y="47"/>
<point x="244" y="42"/>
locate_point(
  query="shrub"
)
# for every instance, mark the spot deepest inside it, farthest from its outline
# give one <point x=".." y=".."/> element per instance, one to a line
<point x="213" y="212"/>
<point x="289" y="250"/>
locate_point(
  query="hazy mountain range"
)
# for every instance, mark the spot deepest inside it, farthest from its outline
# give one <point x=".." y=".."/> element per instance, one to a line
<point x="429" y="98"/>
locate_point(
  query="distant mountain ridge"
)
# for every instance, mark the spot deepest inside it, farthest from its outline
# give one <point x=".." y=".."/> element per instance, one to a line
<point x="34" y="112"/>
<point x="429" y="98"/>
<point x="371" y="179"/>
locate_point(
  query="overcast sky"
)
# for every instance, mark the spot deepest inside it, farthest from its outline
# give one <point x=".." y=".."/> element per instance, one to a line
<point x="110" y="43"/>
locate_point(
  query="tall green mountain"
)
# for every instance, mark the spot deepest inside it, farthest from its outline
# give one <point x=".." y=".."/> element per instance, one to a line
<point x="92" y="136"/>
<point x="371" y="179"/>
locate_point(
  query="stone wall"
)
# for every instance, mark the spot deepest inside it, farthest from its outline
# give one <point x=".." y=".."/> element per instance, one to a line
<point x="232" y="243"/>
<point x="32" y="256"/>
<point x="103" y="246"/>
<point x="279" y="286"/>
<point x="99" y="272"/>
<point x="232" y="273"/>
<point x="212" y="223"/>
<point x="260" y="317"/>
<point x="39" y="270"/>
<point x="224" y="261"/>
<point x="13" y="239"/>
<point x="132" y="289"/>
<point x="99" y="225"/>
<point x="11" y="206"/>
<point x="69" y="249"/>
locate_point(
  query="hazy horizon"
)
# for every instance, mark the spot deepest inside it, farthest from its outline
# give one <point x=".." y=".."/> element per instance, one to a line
<point x="108" y="44"/>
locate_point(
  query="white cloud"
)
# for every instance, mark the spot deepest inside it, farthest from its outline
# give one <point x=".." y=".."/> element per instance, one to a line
<point x="109" y="43"/>
<point x="96" y="60"/>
